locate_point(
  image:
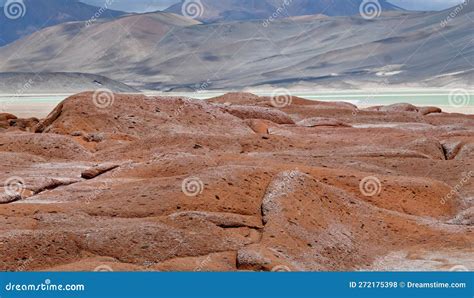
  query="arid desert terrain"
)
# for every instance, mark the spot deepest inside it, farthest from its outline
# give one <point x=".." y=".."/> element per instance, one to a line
<point x="236" y="182"/>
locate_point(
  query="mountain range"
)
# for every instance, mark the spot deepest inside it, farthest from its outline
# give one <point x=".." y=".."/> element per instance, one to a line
<point x="23" y="17"/>
<point x="166" y="51"/>
<point x="42" y="83"/>
<point x="231" y="10"/>
<point x="29" y="16"/>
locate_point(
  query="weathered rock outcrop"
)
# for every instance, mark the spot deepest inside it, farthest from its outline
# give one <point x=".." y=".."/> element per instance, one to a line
<point x="232" y="183"/>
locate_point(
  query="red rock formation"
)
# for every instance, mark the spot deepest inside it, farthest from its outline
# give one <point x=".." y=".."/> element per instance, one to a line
<point x="161" y="183"/>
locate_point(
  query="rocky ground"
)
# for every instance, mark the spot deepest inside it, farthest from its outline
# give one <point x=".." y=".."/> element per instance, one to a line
<point x="238" y="182"/>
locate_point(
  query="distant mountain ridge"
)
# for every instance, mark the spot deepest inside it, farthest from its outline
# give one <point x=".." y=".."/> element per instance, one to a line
<point x="18" y="83"/>
<point x="232" y="10"/>
<point x="165" y="51"/>
<point x="28" y="16"/>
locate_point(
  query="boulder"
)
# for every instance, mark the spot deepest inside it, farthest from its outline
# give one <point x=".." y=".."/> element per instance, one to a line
<point x="6" y="117"/>
<point x="399" y="107"/>
<point x="98" y="170"/>
<point x="24" y="124"/>
<point x="429" y="110"/>
<point x="137" y="116"/>
<point x="259" y="125"/>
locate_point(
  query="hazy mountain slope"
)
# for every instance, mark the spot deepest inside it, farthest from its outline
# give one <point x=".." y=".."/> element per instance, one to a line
<point x="39" y="14"/>
<point x="329" y="7"/>
<point x="329" y="51"/>
<point x="229" y="10"/>
<point x="48" y="83"/>
<point x="398" y="48"/>
<point x="464" y="8"/>
<point x="214" y="10"/>
<point x="113" y="47"/>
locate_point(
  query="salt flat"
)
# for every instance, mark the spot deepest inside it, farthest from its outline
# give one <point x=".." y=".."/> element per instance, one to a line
<point x="39" y="105"/>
